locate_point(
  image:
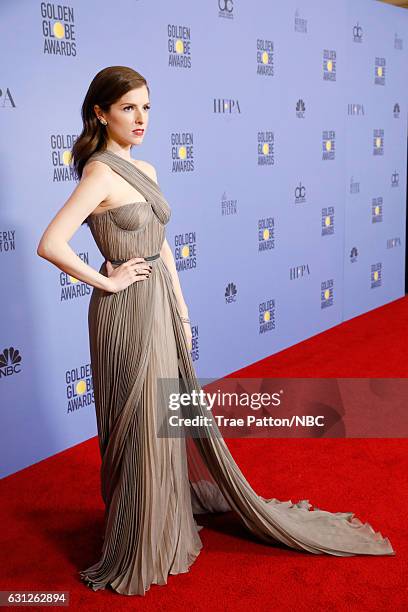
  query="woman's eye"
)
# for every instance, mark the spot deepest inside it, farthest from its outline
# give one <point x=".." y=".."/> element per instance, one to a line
<point x="126" y="107"/>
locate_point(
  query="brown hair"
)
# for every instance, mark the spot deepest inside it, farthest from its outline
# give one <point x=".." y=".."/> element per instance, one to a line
<point x="106" y="88"/>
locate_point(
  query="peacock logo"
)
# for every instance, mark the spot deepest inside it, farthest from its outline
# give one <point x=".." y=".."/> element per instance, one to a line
<point x="10" y="362"/>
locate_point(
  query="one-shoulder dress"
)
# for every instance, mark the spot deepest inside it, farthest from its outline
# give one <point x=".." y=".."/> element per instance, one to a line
<point x="152" y="485"/>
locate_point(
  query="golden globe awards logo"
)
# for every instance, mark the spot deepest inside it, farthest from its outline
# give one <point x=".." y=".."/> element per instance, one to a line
<point x="379" y="71"/>
<point x="266" y="234"/>
<point x="195" y="349"/>
<point x="179" y="46"/>
<point x="7" y="240"/>
<point x="377" y="210"/>
<point x="328" y="144"/>
<point x="266" y="148"/>
<point x="326" y="293"/>
<point x="71" y="287"/>
<point x="329" y="65"/>
<point x="376" y="275"/>
<point x="378" y="142"/>
<point x="182" y="151"/>
<point x="58" y="28"/>
<point x="266" y="316"/>
<point x="61" y="157"/>
<point x="10" y="362"/>
<point x="185" y="251"/>
<point x="79" y="387"/>
<point x="327" y="220"/>
<point x="264" y="57"/>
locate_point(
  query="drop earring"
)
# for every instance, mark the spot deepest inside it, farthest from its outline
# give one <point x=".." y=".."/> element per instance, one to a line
<point x="103" y="121"/>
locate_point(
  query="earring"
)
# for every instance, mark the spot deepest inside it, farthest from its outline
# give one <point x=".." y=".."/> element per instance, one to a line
<point x="103" y="121"/>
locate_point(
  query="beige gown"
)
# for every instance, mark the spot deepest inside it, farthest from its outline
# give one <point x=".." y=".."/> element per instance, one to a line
<point x="153" y="485"/>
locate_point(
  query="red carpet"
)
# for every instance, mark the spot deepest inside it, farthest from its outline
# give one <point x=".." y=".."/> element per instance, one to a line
<point x="51" y="513"/>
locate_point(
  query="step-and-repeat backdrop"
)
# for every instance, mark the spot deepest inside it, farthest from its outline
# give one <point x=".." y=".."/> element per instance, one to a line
<point x="279" y="135"/>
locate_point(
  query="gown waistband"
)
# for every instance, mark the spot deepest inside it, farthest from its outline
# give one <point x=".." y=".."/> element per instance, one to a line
<point x="121" y="261"/>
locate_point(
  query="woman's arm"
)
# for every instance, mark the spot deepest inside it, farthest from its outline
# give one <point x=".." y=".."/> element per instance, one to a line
<point x="167" y="256"/>
<point x="53" y="246"/>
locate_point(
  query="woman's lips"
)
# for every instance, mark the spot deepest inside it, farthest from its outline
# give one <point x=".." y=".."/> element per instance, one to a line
<point x="138" y="132"/>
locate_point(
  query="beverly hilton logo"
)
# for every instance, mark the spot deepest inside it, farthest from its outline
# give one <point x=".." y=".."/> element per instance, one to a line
<point x="329" y="65"/>
<point x="61" y="157"/>
<point x="7" y="241"/>
<point x="79" y="387"/>
<point x="179" y="46"/>
<point x="266" y="233"/>
<point x="354" y="186"/>
<point x="58" y="28"/>
<point x="264" y="57"/>
<point x="10" y="362"/>
<point x="228" y="206"/>
<point x="398" y="42"/>
<point x="326" y="293"/>
<point x="327" y="222"/>
<point x="182" y="151"/>
<point x="328" y="144"/>
<point x="185" y="251"/>
<point x="300" y="24"/>
<point x="266" y="148"/>
<point x="266" y="316"/>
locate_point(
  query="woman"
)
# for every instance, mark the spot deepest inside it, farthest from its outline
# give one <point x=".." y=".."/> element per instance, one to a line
<point x="139" y="335"/>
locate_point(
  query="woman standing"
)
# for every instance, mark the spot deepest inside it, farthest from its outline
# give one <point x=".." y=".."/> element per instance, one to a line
<point x="139" y="336"/>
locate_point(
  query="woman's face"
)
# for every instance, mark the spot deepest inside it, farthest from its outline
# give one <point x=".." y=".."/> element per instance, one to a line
<point x="129" y="113"/>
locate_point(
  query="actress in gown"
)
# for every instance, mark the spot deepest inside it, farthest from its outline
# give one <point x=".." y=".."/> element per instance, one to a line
<point x="152" y="485"/>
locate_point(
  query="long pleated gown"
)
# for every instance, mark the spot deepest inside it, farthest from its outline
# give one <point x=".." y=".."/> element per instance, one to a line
<point x="152" y="484"/>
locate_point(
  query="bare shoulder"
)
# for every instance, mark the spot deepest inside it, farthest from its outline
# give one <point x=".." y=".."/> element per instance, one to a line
<point x="147" y="168"/>
<point x="96" y="169"/>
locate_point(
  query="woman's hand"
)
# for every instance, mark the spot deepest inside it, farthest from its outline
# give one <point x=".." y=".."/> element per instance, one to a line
<point x="131" y="271"/>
